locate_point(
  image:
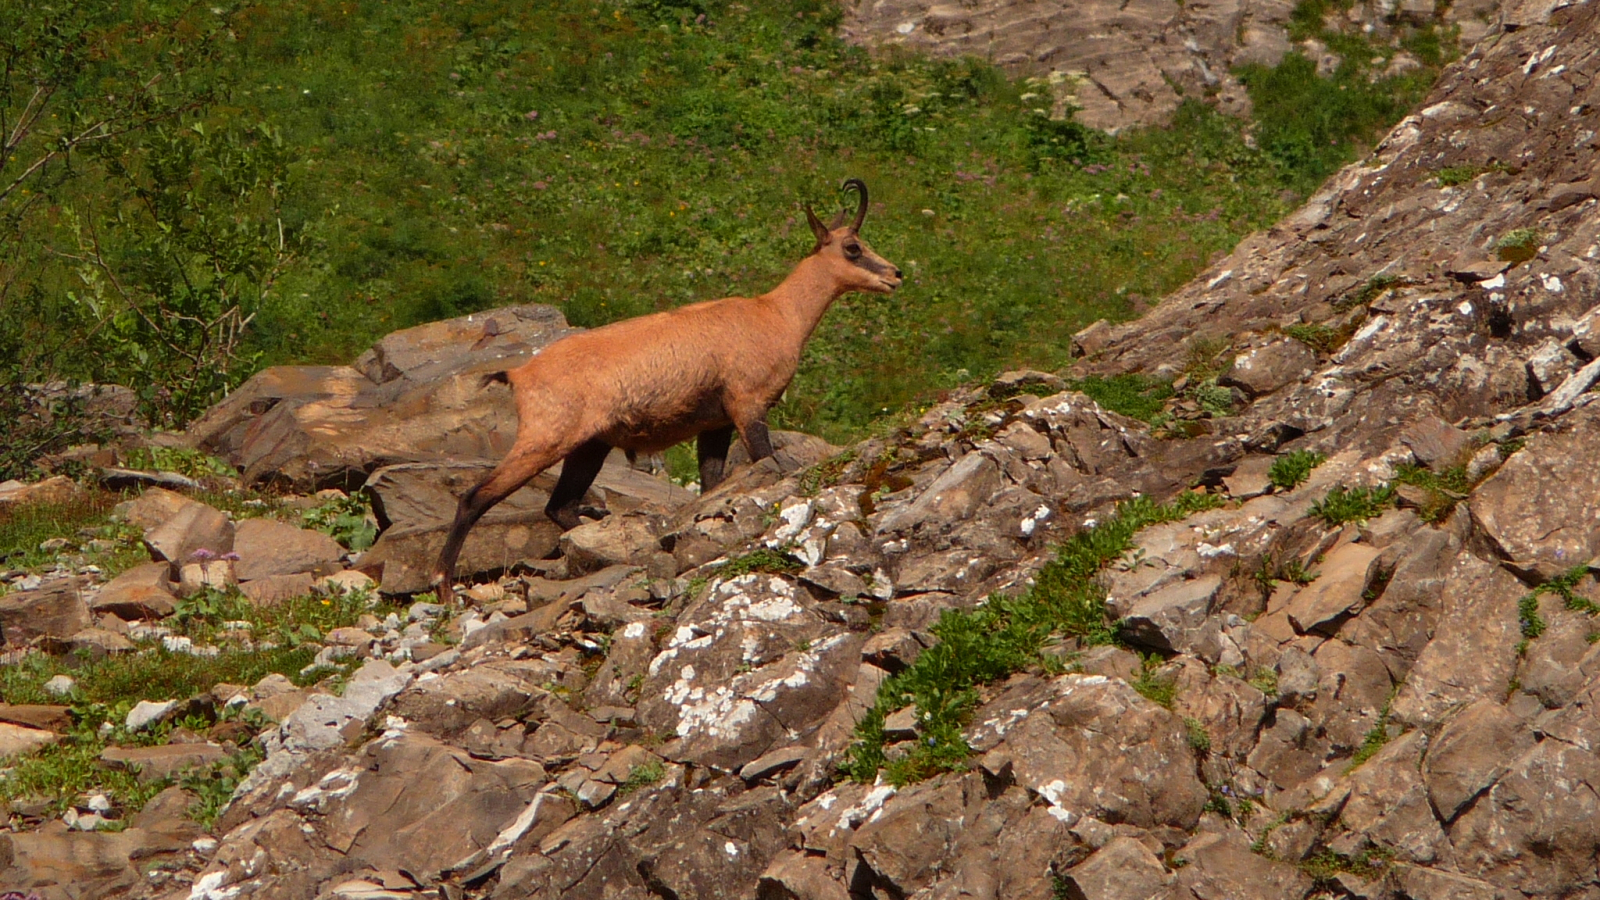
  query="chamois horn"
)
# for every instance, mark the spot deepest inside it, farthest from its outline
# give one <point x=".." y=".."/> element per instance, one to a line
<point x="861" y="211"/>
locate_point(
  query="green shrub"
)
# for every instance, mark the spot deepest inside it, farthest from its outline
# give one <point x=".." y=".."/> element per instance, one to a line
<point x="1291" y="470"/>
<point x="1352" y="504"/>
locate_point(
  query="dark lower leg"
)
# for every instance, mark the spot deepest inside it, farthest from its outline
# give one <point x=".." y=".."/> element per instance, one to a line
<point x="712" y="449"/>
<point x="577" y="473"/>
<point x="501" y="483"/>
<point x="756" y="439"/>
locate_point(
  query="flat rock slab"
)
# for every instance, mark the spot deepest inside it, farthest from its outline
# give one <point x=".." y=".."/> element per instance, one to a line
<point x="413" y="495"/>
<point x="268" y="547"/>
<point x="49" y="718"/>
<point x="407" y="555"/>
<point x="193" y="529"/>
<point x="55" y="489"/>
<point x="1337" y="593"/>
<point x="275" y="589"/>
<point x="164" y="761"/>
<point x="1263" y="370"/>
<point x="56" y="611"/>
<point x="95" y="864"/>
<point x="142" y="592"/>
<point x="1541" y="510"/>
<point x="1169" y="618"/>
<point x="18" y="739"/>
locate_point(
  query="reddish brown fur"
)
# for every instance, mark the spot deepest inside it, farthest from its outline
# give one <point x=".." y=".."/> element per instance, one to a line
<point x="648" y="383"/>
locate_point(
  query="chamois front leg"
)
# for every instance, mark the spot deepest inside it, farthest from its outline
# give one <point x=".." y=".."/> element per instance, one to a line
<point x="712" y="449"/>
<point x="577" y="473"/>
<point x="512" y="473"/>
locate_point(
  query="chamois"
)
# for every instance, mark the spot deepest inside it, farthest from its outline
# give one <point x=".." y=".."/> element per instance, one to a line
<point x="647" y="383"/>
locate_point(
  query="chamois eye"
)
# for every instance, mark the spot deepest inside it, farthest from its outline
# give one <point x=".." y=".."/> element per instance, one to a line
<point x="852" y="250"/>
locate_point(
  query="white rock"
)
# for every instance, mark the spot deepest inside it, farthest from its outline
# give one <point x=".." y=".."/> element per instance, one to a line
<point x="148" y="712"/>
<point x="60" y="685"/>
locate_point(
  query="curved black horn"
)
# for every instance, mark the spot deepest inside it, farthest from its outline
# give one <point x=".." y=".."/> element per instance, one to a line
<point x="861" y="211"/>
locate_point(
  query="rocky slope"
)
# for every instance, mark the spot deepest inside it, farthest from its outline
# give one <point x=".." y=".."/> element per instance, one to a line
<point x="1372" y="679"/>
<point x="1128" y="64"/>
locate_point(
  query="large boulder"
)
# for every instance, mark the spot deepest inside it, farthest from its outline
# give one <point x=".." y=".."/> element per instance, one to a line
<point x="267" y="547"/>
<point x="418" y="395"/>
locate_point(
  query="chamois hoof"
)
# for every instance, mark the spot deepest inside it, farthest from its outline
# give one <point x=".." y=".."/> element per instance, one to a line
<point x="593" y="512"/>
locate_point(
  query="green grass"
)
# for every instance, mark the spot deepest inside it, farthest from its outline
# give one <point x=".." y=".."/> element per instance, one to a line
<point x="340" y="171"/>
<point x="1291" y="470"/>
<point x="1312" y="125"/>
<point x="1003" y="636"/>
<point x="1133" y="395"/>
<point x="79" y="520"/>
<point x="1357" y="504"/>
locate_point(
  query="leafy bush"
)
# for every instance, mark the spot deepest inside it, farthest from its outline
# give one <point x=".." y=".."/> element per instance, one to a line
<point x="1291" y="470"/>
<point x="347" y="520"/>
<point x="1352" y="504"/>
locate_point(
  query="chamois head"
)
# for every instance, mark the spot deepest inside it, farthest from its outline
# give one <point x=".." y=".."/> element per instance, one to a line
<point x="849" y="258"/>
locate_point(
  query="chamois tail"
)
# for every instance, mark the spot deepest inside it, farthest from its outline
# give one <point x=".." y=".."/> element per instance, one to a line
<point x="502" y="377"/>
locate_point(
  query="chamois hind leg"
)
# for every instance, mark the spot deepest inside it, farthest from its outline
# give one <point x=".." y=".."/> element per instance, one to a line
<point x="757" y="440"/>
<point x="577" y="473"/>
<point x="712" y="449"/>
<point x="513" y="472"/>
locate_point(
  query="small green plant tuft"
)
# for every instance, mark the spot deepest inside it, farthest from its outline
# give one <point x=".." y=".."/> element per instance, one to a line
<point x="642" y="776"/>
<point x="1441" y="490"/>
<point x="1199" y="738"/>
<point x="1133" y="395"/>
<point x="1376" y="737"/>
<point x="763" y="559"/>
<point x="1265" y="680"/>
<point x="1519" y="245"/>
<point x="1353" y="504"/>
<point x="1318" y="337"/>
<point x="1564" y="586"/>
<point x="1291" y="470"/>
<point x="1369" y="864"/>
<point x="1156" y="688"/>
<point x="347" y="520"/>
<point x="213" y="786"/>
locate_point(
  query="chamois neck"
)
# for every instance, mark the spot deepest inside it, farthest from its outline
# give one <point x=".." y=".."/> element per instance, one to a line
<point x="805" y="295"/>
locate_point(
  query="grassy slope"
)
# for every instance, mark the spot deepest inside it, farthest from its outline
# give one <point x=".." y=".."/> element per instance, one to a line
<point x="666" y="163"/>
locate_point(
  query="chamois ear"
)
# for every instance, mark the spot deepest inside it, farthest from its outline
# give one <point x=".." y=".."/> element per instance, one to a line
<point x="818" y="229"/>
